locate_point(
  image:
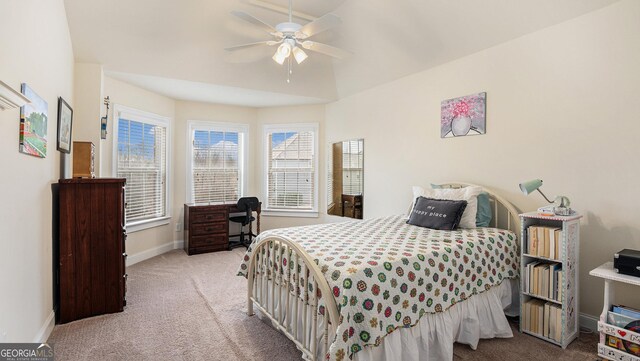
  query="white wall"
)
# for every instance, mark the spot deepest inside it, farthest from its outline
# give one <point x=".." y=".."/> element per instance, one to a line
<point x="561" y="106"/>
<point x="159" y="239"/>
<point x="88" y="97"/>
<point x="35" y="49"/>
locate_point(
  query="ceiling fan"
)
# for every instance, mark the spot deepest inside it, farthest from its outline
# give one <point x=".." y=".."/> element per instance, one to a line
<point x="293" y="38"/>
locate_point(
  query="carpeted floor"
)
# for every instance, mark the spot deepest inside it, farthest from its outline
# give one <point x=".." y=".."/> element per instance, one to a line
<point x="194" y="308"/>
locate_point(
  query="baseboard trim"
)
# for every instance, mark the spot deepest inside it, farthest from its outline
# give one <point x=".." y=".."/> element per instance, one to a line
<point x="152" y="252"/>
<point x="179" y="244"/>
<point x="588" y="321"/>
<point x="47" y="327"/>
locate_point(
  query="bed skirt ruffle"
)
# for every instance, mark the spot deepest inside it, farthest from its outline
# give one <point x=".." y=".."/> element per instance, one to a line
<point x="480" y="316"/>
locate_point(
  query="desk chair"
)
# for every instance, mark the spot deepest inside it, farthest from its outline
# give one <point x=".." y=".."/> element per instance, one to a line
<point x="247" y="205"/>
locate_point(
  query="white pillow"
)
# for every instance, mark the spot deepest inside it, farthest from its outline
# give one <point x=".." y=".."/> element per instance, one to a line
<point x="469" y="194"/>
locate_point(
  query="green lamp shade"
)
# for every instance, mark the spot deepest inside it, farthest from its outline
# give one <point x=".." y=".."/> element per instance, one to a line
<point x="530" y="186"/>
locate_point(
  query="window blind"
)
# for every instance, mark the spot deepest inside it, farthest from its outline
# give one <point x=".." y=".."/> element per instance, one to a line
<point x="352" y="161"/>
<point x="215" y="167"/>
<point x="330" y="185"/>
<point x="142" y="160"/>
<point x="291" y="170"/>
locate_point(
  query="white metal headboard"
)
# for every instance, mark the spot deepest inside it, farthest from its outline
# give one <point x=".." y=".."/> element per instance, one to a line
<point x="505" y="215"/>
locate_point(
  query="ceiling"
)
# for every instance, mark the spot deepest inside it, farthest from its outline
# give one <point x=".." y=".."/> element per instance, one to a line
<point x="176" y="47"/>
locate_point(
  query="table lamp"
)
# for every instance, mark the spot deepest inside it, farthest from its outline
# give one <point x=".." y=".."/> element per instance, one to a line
<point x="560" y="204"/>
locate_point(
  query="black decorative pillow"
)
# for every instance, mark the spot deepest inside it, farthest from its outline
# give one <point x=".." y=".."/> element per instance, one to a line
<point x="439" y="214"/>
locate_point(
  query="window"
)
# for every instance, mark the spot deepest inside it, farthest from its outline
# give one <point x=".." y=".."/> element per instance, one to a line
<point x="291" y="179"/>
<point x="217" y="158"/>
<point x="141" y="158"/>
<point x="352" y="159"/>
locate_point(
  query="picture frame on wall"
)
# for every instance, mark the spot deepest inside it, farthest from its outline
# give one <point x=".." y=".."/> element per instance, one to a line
<point x="65" y="122"/>
<point x="33" y="124"/>
<point x="463" y="116"/>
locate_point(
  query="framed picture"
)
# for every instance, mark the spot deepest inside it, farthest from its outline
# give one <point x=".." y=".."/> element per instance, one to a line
<point x="33" y="124"/>
<point x="65" y="121"/>
<point x="463" y="116"/>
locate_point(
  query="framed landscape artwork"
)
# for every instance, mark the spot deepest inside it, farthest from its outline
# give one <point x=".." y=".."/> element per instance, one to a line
<point x="463" y="116"/>
<point x="33" y="124"/>
<point x="65" y="120"/>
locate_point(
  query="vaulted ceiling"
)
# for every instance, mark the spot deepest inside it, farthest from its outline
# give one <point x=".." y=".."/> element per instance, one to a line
<point x="176" y="47"/>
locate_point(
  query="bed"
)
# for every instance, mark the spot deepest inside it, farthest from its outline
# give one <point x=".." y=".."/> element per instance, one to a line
<point x="382" y="289"/>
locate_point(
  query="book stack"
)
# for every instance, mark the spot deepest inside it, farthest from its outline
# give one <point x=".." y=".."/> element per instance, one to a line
<point x="543" y="319"/>
<point x="544" y="241"/>
<point x="544" y="279"/>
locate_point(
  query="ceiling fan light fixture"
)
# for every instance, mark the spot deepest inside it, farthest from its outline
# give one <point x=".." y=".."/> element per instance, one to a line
<point x="284" y="49"/>
<point x="292" y="38"/>
<point x="299" y="55"/>
<point x="278" y="58"/>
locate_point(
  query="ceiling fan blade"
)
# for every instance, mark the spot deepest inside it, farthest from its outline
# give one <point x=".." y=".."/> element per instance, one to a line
<point x="281" y="9"/>
<point x="319" y="25"/>
<point x="255" y="21"/>
<point x="248" y="55"/>
<point x="326" y="49"/>
<point x="250" y="45"/>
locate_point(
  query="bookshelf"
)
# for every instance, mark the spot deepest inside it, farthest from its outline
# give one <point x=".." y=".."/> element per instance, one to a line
<point x="610" y="276"/>
<point x="549" y="278"/>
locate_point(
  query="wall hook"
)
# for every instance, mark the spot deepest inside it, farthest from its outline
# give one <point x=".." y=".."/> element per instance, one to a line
<point x="103" y="120"/>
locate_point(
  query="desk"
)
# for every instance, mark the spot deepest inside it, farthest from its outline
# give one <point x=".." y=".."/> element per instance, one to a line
<point x="206" y="226"/>
<point x="356" y="205"/>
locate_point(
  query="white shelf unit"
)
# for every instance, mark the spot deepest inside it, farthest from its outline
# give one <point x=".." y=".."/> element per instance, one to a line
<point x="569" y="251"/>
<point x="10" y="99"/>
<point x="610" y="276"/>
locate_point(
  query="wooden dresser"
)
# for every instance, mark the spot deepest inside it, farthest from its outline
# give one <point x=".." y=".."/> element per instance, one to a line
<point x="206" y="228"/>
<point x="91" y="248"/>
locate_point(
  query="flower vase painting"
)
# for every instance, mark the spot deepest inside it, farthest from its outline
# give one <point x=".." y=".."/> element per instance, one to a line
<point x="463" y="116"/>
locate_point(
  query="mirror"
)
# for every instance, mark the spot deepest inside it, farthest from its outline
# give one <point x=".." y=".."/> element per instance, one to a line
<point x="346" y="178"/>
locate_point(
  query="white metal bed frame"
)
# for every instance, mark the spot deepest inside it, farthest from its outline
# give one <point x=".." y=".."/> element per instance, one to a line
<point x="266" y="280"/>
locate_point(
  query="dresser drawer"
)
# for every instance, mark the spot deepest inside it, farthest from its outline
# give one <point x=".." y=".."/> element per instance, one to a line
<point x="209" y="216"/>
<point x="212" y="240"/>
<point x="208" y="228"/>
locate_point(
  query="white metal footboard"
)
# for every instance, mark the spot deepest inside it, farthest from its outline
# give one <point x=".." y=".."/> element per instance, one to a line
<point x="282" y="279"/>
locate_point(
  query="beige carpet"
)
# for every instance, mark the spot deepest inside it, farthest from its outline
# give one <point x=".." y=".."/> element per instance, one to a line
<point x="194" y="308"/>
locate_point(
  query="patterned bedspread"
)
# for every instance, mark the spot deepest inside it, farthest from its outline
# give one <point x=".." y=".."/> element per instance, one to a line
<point x="385" y="274"/>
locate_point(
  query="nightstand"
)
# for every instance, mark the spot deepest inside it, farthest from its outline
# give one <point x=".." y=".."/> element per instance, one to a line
<point x="607" y="273"/>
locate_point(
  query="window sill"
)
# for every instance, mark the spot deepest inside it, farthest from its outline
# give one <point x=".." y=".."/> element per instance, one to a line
<point x="146" y="224"/>
<point x="289" y="213"/>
